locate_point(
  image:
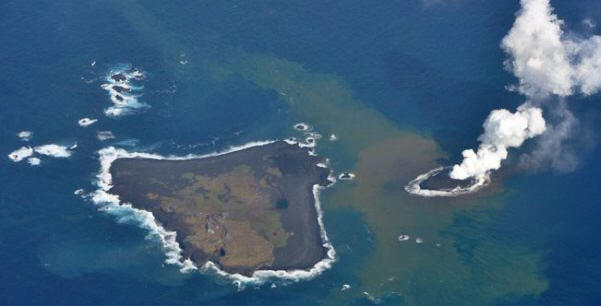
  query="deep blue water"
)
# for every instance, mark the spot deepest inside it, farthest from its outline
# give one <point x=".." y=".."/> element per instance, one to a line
<point x="436" y="68"/>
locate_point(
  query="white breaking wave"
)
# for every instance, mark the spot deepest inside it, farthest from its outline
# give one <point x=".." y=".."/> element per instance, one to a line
<point x="309" y="142"/>
<point x="53" y="150"/>
<point x="83" y="122"/>
<point x="34" y="161"/>
<point x="105" y="135"/>
<point x="122" y="92"/>
<point x="25" y="135"/>
<point x="126" y="212"/>
<point x="20" y="154"/>
<point x="301" y="126"/>
<point x="403" y="237"/>
<point x="311" y="137"/>
<point x="346" y="176"/>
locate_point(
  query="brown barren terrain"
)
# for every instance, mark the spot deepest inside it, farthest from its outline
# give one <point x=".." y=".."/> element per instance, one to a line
<point x="246" y="210"/>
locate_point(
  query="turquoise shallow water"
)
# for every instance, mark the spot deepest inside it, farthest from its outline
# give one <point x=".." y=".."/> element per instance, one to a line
<point x="434" y="68"/>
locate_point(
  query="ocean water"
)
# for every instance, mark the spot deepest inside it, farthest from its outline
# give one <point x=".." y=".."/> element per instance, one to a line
<point x="403" y="84"/>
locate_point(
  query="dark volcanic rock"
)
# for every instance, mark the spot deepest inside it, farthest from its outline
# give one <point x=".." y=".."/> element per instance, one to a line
<point x="120" y="89"/>
<point x="246" y="210"/>
<point x="119" y="77"/>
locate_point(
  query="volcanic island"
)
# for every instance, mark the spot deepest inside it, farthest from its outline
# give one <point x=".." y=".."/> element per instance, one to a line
<point x="247" y="210"/>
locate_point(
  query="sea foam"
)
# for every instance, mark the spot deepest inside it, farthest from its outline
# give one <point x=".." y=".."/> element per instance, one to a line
<point x="25" y="135"/>
<point x="346" y="176"/>
<point x="20" y="154"/>
<point x="105" y="135"/>
<point x="34" y="161"/>
<point x="54" y="150"/>
<point x="83" y="122"/>
<point x="125" y="212"/>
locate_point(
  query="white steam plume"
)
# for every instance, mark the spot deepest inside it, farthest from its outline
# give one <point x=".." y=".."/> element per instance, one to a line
<point x="548" y="63"/>
<point x="502" y="130"/>
<point x="545" y="60"/>
<point x="538" y="56"/>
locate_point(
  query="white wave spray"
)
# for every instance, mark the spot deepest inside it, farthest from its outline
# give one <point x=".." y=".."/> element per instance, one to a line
<point x="54" y="150"/>
<point x="25" y="135"/>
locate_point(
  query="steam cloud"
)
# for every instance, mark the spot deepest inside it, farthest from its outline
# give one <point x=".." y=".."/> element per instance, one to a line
<point x="545" y="60"/>
<point x="502" y="130"/>
<point x="548" y="64"/>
